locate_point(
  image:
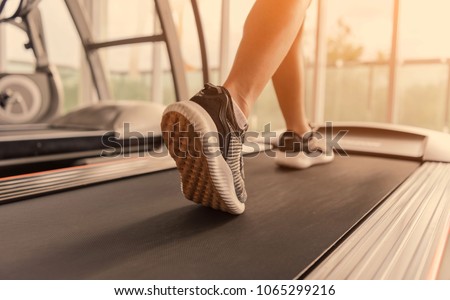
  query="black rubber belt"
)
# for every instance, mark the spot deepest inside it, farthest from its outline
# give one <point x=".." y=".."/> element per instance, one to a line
<point x="142" y="228"/>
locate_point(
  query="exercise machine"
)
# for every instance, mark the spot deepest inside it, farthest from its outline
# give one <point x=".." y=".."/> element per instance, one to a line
<point x="29" y="98"/>
<point x="380" y="212"/>
<point x="88" y="131"/>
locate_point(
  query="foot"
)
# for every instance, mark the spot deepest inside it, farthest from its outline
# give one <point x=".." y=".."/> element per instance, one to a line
<point x="204" y="139"/>
<point x="299" y="152"/>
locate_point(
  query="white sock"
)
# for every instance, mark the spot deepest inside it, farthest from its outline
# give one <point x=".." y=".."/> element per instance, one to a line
<point x="240" y="117"/>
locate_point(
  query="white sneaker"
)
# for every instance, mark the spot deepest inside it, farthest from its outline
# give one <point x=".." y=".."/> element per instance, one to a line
<point x="298" y="152"/>
<point x="205" y="140"/>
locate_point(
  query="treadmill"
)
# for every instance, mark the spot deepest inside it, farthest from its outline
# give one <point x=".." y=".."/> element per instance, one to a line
<point x="32" y="132"/>
<point x="380" y="212"/>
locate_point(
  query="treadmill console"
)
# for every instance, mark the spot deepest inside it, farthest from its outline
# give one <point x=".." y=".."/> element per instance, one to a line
<point x="390" y="140"/>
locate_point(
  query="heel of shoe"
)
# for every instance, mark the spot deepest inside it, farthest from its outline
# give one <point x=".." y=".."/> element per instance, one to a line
<point x="206" y="178"/>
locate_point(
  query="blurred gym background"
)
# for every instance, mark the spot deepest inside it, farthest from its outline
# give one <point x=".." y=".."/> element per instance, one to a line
<point x="376" y="61"/>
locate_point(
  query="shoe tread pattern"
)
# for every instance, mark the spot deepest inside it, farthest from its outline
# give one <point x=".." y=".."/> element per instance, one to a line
<point x="192" y="164"/>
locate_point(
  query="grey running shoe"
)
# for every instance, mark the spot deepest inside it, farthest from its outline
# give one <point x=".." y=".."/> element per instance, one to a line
<point x="205" y="141"/>
<point x="299" y="152"/>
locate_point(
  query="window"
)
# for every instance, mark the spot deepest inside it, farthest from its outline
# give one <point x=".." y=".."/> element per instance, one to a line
<point x="358" y="40"/>
<point x="423" y="76"/>
<point x="358" y="50"/>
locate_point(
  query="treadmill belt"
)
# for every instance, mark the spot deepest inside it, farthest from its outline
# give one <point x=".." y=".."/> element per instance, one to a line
<point x="142" y="228"/>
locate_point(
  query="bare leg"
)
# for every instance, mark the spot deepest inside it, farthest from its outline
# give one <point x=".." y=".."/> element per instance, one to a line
<point x="288" y="82"/>
<point x="270" y="30"/>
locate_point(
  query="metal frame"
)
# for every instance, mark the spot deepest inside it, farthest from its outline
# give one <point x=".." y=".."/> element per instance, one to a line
<point x="87" y="92"/>
<point x="201" y="40"/>
<point x="173" y="49"/>
<point x="33" y="25"/>
<point x="320" y="64"/>
<point x="447" y="102"/>
<point x="168" y="35"/>
<point x="2" y="50"/>
<point x="20" y="8"/>
<point x="90" y="46"/>
<point x="83" y="27"/>
<point x="157" y="90"/>
<point x="393" y="66"/>
<point x="127" y="41"/>
<point x="224" y="64"/>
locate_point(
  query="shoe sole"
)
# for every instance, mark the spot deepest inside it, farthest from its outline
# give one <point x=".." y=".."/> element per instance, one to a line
<point x="300" y="161"/>
<point x="205" y="176"/>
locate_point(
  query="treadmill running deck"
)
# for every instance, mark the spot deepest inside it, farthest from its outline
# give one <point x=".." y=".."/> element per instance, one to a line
<point x="142" y="228"/>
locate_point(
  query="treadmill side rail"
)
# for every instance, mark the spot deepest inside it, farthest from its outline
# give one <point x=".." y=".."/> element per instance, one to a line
<point x="435" y="144"/>
<point x="404" y="239"/>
